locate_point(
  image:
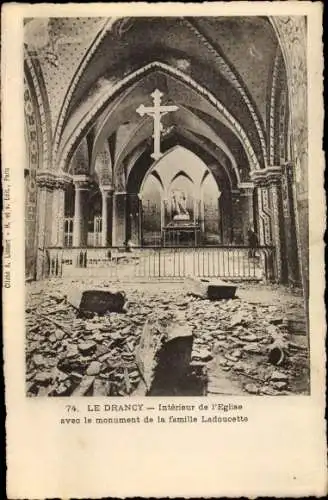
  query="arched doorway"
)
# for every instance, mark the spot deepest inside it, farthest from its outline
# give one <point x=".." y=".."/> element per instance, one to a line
<point x="173" y="201"/>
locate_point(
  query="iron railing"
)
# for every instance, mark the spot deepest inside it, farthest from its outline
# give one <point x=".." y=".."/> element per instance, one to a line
<point x="237" y="262"/>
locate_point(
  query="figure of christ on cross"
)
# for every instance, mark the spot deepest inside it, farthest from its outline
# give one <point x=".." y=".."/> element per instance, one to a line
<point x="156" y="111"/>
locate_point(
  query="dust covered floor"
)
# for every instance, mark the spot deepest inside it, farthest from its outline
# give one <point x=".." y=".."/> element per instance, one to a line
<point x="219" y="347"/>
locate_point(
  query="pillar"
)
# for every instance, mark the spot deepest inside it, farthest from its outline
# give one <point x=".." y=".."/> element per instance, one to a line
<point x="134" y="214"/>
<point x="80" y="224"/>
<point x="58" y="211"/>
<point x="46" y="181"/>
<point x="290" y="230"/>
<point x="271" y="229"/>
<point x="247" y="210"/>
<point x="225" y="204"/>
<point x="237" y="217"/>
<point x="119" y="218"/>
<point x="107" y="215"/>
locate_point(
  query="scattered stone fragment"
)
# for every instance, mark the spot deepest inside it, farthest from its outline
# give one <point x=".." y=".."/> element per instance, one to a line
<point x="85" y="386"/>
<point x="236" y="353"/>
<point x="237" y="319"/>
<point x="38" y="360"/>
<point x="43" y="378"/>
<point x="252" y="388"/>
<point x="93" y="368"/>
<point x="279" y="376"/>
<point x="268" y="391"/>
<point x="250" y="348"/>
<point x="87" y="348"/>
<point x="59" y="334"/>
<point x="279" y="385"/>
<point x="249" y="338"/>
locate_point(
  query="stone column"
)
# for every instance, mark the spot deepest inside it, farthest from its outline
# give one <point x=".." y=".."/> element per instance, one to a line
<point x="225" y="205"/>
<point x="119" y="218"/>
<point x="237" y="217"/>
<point x="107" y="215"/>
<point x="247" y="210"/>
<point x="288" y="209"/>
<point x="80" y="224"/>
<point x="134" y="214"/>
<point x="58" y="211"/>
<point x="45" y="182"/>
<point x="271" y="232"/>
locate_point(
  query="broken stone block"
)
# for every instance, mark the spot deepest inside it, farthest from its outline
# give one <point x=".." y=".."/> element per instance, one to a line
<point x="279" y="385"/>
<point x="279" y="377"/>
<point x="96" y="301"/>
<point x="211" y="289"/>
<point x="38" y="360"/>
<point x="100" y="388"/>
<point x="87" y="348"/>
<point x="59" y="334"/>
<point x="251" y="348"/>
<point x="251" y="388"/>
<point x="93" y="368"/>
<point x="85" y="387"/>
<point x="72" y="351"/>
<point x="43" y="378"/>
<point x="236" y="353"/>
<point x="202" y="354"/>
<point x="268" y="391"/>
<point x="237" y="319"/>
<point x="248" y="338"/>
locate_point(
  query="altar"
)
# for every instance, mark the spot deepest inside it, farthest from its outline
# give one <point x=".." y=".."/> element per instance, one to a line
<point x="182" y="230"/>
<point x="181" y="233"/>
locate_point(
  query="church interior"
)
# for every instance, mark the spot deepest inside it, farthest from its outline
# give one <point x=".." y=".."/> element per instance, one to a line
<point x="160" y="135"/>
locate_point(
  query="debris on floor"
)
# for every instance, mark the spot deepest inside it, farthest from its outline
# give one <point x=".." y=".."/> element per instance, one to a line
<point x="240" y="346"/>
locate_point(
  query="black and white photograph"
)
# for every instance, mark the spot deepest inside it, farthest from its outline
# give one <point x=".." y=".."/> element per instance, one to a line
<point x="166" y="206"/>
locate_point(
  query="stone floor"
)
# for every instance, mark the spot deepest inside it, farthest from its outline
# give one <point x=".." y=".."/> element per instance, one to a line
<point x="71" y="356"/>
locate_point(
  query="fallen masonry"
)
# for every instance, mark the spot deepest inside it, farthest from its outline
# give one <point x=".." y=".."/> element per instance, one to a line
<point x="161" y="343"/>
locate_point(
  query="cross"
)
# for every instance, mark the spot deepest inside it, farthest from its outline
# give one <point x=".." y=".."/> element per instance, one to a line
<point x="157" y="111"/>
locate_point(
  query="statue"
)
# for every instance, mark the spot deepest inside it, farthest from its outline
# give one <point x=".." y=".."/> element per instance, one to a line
<point x="179" y="206"/>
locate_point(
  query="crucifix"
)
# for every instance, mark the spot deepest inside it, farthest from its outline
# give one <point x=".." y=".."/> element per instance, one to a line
<point x="156" y="111"/>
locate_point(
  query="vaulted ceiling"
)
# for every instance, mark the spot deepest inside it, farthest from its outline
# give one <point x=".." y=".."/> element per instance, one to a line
<point x="95" y="72"/>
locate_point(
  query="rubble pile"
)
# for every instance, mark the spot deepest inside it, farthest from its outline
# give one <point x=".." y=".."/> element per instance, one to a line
<point x="67" y="355"/>
<point x="238" y="338"/>
<point x="100" y="355"/>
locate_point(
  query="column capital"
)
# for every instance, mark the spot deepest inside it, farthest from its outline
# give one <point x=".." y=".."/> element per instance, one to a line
<point x="266" y="176"/>
<point x="81" y="182"/>
<point x="52" y="180"/>
<point x="106" y="189"/>
<point x="288" y="169"/>
<point x="246" y="188"/>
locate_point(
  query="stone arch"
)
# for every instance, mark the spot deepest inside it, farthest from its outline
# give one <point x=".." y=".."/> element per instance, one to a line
<point x="90" y="117"/>
<point x="103" y="166"/>
<point x="80" y="161"/>
<point x="37" y="88"/>
<point x="145" y="129"/>
<point x="177" y="138"/>
<point x="182" y="174"/>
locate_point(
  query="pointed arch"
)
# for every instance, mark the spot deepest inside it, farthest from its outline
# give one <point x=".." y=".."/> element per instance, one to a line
<point x="158" y="177"/>
<point x="181" y="174"/>
<point x="88" y="119"/>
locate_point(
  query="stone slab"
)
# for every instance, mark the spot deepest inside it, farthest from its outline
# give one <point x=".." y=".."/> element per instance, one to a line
<point x="212" y="289"/>
<point x="98" y="301"/>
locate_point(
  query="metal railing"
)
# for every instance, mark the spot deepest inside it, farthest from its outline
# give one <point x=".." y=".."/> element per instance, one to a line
<point x="234" y="262"/>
